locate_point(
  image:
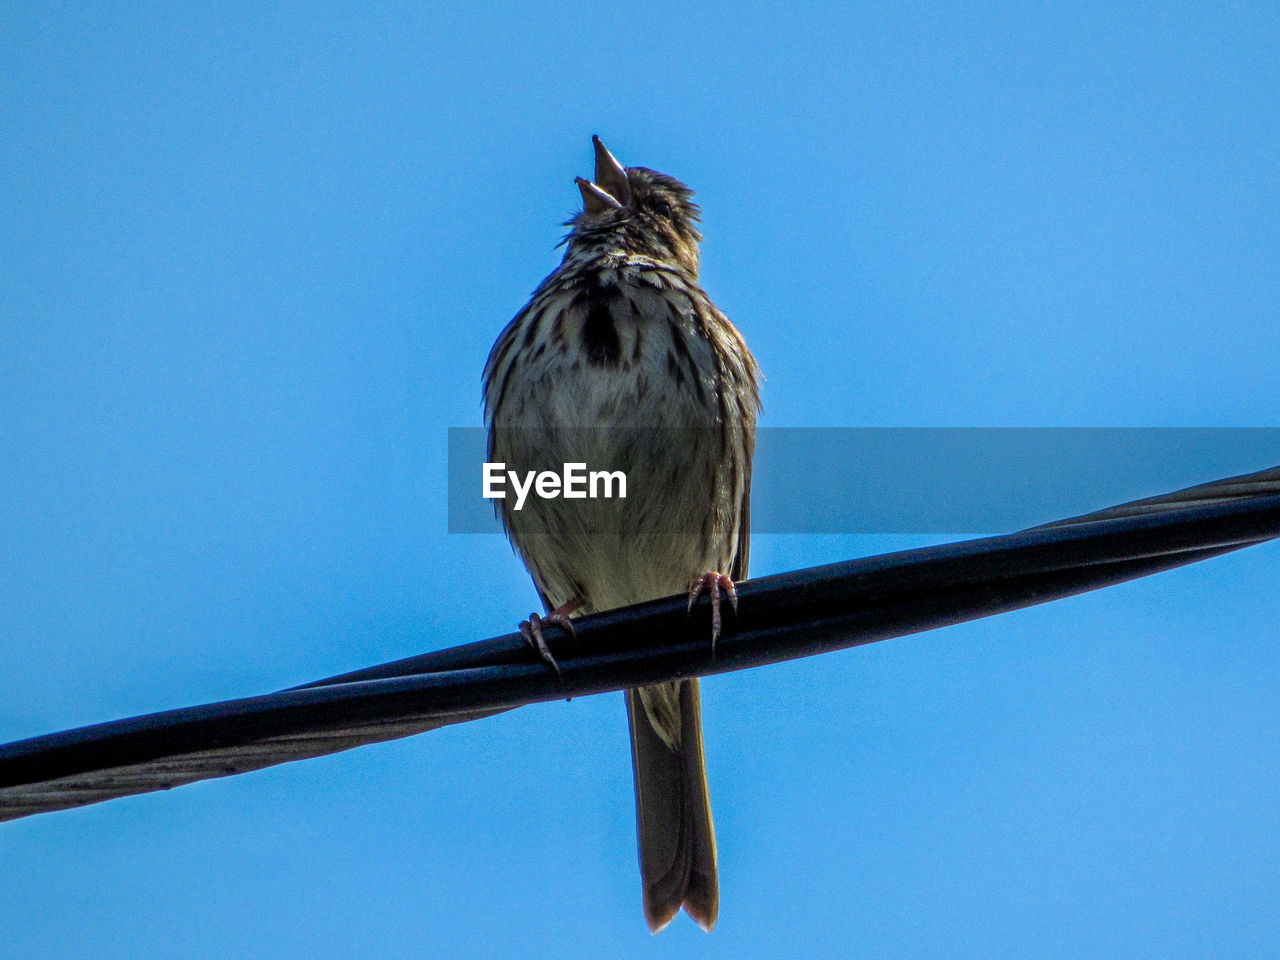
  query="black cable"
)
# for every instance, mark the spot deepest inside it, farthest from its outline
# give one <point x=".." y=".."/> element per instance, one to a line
<point x="781" y="617"/>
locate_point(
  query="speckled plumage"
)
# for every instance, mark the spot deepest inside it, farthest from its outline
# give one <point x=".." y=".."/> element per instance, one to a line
<point x="622" y="362"/>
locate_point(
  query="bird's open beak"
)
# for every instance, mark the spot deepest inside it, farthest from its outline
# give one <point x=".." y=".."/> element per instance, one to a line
<point x="611" y="189"/>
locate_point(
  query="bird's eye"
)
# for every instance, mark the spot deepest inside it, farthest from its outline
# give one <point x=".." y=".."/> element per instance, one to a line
<point x="662" y="208"/>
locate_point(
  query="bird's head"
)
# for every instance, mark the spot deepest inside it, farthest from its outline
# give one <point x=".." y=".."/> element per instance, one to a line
<point x="637" y="210"/>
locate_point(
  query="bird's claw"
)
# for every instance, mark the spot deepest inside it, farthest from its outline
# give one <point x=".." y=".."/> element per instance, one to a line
<point x="531" y="632"/>
<point x="712" y="582"/>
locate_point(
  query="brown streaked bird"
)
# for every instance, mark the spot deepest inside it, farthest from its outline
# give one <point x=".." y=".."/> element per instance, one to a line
<point x="621" y="361"/>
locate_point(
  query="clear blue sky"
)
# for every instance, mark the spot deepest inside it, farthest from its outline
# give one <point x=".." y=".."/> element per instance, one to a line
<point x="251" y="263"/>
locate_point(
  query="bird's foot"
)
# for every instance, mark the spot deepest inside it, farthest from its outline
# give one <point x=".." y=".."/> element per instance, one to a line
<point x="713" y="582"/>
<point x="531" y="631"/>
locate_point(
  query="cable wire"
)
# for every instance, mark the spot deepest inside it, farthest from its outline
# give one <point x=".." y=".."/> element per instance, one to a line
<point x="779" y="618"/>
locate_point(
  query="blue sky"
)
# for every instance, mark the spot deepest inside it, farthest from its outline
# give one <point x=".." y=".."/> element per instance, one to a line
<point x="252" y="260"/>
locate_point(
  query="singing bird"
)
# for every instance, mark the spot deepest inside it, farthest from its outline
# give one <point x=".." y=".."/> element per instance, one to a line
<point x="621" y="359"/>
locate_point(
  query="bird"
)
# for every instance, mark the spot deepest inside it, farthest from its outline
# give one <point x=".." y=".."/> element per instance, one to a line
<point x="621" y="359"/>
